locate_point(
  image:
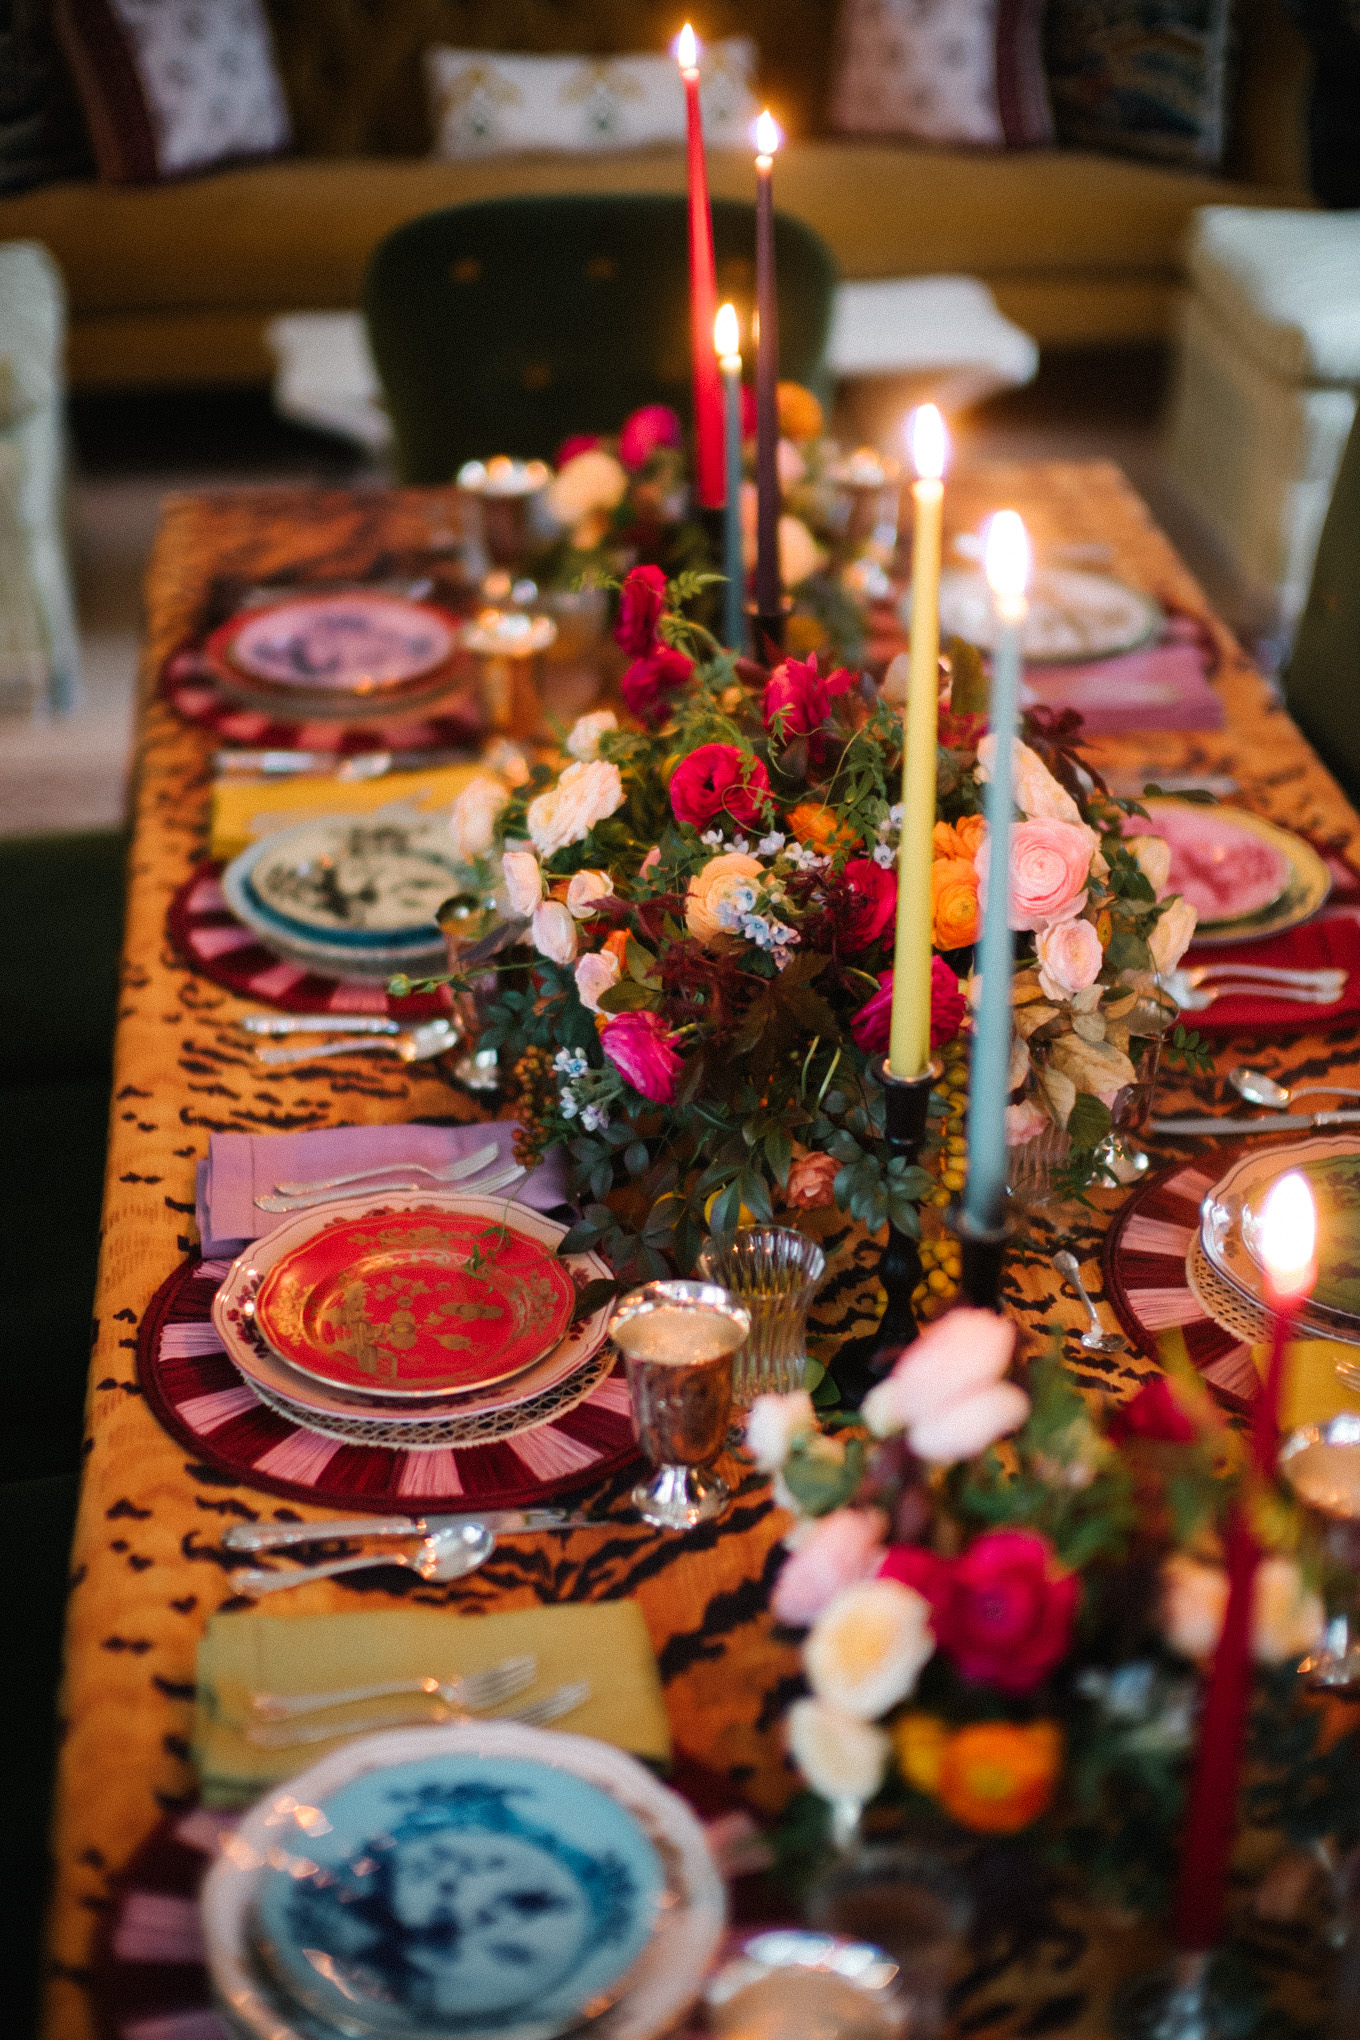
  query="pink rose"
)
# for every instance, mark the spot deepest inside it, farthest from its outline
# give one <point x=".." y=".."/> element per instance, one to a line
<point x="597" y="973"/>
<point x="1024" y="1121"/>
<point x="646" y="429"/>
<point x="576" y="442"/>
<point x="871" y="1025"/>
<point x="798" y="698"/>
<point x="641" y="602"/>
<point x="1008" y="1617"/>
<point x="650" y="682"/>
<point x="553" y="932"/>
<point x="1070" y="957"/>
<point x="840" y="1550"/>
<point x="640" y="1046"/>
<point x="954" y="1359"/>
<point x="963" y="1429"/>
<point x="868" y="899"/>
<point x="812" y="1181"/>
<point x="719" y="779"/>
<point x="1050" y="864"/>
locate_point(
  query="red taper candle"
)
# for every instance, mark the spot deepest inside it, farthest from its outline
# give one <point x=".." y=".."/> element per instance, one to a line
<point x="710" y="482"/>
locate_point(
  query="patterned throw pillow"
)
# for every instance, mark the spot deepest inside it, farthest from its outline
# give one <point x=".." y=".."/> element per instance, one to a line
<point x="486" y="104"/>
<point x="1141" y="77"/>
<point x="942" y="71"/>
<point x="172" y="86"/>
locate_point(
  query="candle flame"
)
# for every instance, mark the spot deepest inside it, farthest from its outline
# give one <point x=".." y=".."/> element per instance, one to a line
<point x="686" y="47"/>
<point x="1289" y="1236"/>
<point x="929" y="442"/>
<point x="726" y="331"/>
<point x="767" y="134"/>
<point x="1007" y="559"/>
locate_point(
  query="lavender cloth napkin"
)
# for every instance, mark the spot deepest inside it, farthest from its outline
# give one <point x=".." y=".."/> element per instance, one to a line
<point x="242" y="1166"/>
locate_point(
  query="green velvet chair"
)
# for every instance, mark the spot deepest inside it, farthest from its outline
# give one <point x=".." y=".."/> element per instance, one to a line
<point x="63" y="896"/>
<point x="502" y="327"/>
<point x="1322" y="679"/>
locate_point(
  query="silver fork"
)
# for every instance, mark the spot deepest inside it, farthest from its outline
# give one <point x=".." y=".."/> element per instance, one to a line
<point x="1191" y="1000"/>
<point x="472" y="1689"/>
<point x="431" y="1038"/>
<point x="562" y="1700"/>
<point x="449" y="1172"/>
<point x="482" y="1186"/>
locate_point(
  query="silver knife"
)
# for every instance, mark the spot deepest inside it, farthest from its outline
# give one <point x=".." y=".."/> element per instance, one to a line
<point x="318" y="1023"/>
<point x="505" y="1522"/>
<point x="1270" y="1122"/>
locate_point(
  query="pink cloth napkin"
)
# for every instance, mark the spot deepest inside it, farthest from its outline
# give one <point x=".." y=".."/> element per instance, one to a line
<point x="242" y="1166"/>
<point x="1161" y="687"/>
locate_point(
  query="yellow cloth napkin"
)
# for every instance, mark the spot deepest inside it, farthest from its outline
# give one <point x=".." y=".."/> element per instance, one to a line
<point x="605" y="1642"/>
<point x="245" y="809"/>
<point x="1312" y="1389"/>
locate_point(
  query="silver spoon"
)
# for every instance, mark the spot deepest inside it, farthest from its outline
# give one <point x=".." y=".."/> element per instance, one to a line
<point x="1095" y="1340"/>
<point x="1259" y="1089"/>
<point x="444" y="1556"/>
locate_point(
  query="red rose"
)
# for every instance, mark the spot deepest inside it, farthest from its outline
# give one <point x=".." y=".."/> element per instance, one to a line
<point x="644" y="430"/>
<point x="1153" y="1413"/>
<point x="871" y="1025"/>
<point x="799" y="698"/>
<point x="579" y="442"/>
<point x="641" y="601"/>
<point x="1008" y="1617"/>
<point x="868" y="901"/>
<point x="649" y="683"/>
<point x="718" y="779"/>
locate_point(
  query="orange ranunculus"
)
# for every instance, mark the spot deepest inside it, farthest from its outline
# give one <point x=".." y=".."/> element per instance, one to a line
<point x="800" y="414"/>
<point x="970" y="832"/>
<point x="944" y="842"/>
<point x="920" y="1741"/>
<point x="953" y="903"/>
<point x="812" y="822"/>
<point x="617" y="945"/>
<point x="997" y="1776"/>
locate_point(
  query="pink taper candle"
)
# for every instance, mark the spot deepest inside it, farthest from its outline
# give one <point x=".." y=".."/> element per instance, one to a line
<point x="710" y="484"/>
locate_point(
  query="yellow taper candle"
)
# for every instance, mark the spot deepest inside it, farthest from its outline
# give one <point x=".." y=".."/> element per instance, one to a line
<point x="909" y="1040"/>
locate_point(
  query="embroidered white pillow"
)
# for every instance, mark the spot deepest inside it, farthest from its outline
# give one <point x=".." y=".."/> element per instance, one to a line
<point x="942" y="71"/>
<point x="485" y="104"/>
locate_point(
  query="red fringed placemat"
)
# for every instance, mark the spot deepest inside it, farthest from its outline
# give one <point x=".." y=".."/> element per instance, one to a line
<point x="189" y="684"/>
<point x="202" y="1400"/>
<point x="1147" y="1284"/>
<point x="215" y="944"/>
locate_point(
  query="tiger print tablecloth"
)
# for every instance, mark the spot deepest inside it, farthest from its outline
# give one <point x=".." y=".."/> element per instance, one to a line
<point x="148" y="1566"/>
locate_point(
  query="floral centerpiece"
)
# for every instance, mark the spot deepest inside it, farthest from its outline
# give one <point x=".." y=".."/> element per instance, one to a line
<point x="1006" y="1605"/>
<point x="699" y="1005"/>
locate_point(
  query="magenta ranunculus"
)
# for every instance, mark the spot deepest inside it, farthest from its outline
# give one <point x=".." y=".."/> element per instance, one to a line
<point x="870" y="1026"/>
<point x="868" y="902"/>
<point x="650" y="682"/>
<point x="641" y="601"/>
<point x="1009" y="1615"/>
<point x="644" y="430"/>
<point x="639" y="1046"/>
<point x="577" y="442"/>
<point x="799" y="698"/>
<point x="719" y="779"/>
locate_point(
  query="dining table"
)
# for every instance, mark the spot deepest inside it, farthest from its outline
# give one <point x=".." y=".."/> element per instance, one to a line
<point x="149" y="1566"/>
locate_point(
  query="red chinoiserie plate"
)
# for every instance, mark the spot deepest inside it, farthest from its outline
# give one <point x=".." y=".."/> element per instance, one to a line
<point x="415" y="1303"/>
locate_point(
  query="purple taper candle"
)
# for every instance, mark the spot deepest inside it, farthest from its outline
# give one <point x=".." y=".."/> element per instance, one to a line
<point x="768" y="589"/>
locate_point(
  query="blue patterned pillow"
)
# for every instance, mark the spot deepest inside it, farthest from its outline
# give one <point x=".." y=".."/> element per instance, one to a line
<point x="1141" y="77"/>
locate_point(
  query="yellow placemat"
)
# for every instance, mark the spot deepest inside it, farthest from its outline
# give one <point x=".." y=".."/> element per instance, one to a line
<point x="604" y="1642"/>
<point x="245" y="809"/>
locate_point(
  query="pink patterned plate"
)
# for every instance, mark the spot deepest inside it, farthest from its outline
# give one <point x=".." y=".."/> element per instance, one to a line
<point x="414" y="1302"/>
<point x="1223" y="863"/>
<point x="361" y="643"/>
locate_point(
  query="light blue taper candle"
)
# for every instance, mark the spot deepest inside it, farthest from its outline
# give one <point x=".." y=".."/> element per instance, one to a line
<point x="725" y="338"/>
<point x="1007" y="559"/>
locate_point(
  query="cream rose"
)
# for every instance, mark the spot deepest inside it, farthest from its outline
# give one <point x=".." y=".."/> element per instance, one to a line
<point x="1070" y="957"/>
<point x="553" y="932"/>
<point x="867" y="1649"/>
<point x="1050" y="864"/>
<point x="799" y="552"/>
<point x="1172" y="935"/>
<point x="472" y="818"/>
<point x="721" y="882"/>
<point x="583" y="741"/>
<point x="596" y="973"/>
<point x="773" y="1424"/>
<point x="567" y="812"/>
<point x="523" y="880"/>
<point x="590" y="482"/>
<point x="1038" y="794"/>
<point x="841" y="1757"/>
<point x="585" y="892"/>
<point x="1152" y="854"/>
<point x="1287" y="1619"/>
<point x="966" y="1428"/>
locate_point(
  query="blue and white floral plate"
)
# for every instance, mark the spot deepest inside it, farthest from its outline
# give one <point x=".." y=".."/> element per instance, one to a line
<point x="479" y="1882"/>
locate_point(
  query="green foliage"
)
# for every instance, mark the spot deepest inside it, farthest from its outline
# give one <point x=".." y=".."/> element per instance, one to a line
<point x="1188" y="1051"/>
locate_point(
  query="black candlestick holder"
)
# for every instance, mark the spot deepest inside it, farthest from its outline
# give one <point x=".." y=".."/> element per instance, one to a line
<point x="981" y="1248"/>
<point x="767" y="631"/>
